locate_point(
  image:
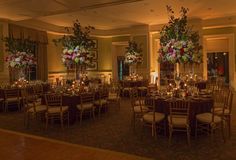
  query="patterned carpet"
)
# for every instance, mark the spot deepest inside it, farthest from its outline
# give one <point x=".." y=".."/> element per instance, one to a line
<point x="113" y="131"/>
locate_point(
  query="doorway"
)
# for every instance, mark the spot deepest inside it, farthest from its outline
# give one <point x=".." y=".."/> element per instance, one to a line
<point x="123" y="68"/>
<point x="218" y="66"/>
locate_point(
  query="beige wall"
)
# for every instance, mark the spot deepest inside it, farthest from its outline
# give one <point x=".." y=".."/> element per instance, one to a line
<point x="54" y="55"/>
<point x="4" y="72"/>
<point x="104" y="54"/>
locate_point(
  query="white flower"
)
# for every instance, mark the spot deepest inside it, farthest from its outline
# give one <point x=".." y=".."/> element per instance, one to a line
<point x="18" y="59"/>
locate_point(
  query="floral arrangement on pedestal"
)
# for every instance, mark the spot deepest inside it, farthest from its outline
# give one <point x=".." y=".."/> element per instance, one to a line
<point x="20" y="56"/>
<point x="133" y="54"/>
<point x="76" y="46"/>
<point x="20" y="52"/>
<point x="178" y="42"/>
<point x="76" y="56"/>
<point x="21" y="60"/>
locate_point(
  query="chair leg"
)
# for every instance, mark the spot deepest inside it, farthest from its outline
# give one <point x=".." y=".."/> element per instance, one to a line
<point x="46" y="117"/>
<point x="212" y="132"/>
<point x="134" y="120"/>
<point x="153" y="128"/>
<point x="81" y="116"/>
<point x="170" y="135"/>
<point x="119" y="104"/>
<point x="188" y="135"/>
<point x="99" y="111"/>
<point x="68" y="118"/>
<point x="196" y="127"/>
<point x="61" y="118"/>
<point x="222" y="130"/>
<point x="6" y="107"/>
<point x="93" y="110"/>
<point x="229" y="125"/>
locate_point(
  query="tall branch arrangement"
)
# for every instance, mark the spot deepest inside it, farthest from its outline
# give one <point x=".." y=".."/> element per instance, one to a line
<point x="179" y="43"/>
<point x="133" y="53"/>
<point x="77" y="45"/>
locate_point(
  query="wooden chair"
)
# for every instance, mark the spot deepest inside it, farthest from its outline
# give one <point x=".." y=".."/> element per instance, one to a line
<point x="86" y="105"/>
<point x="153" y="119"/>
<point x="33" y="109"/>
<point x="38" y="90"/>
<point x="178" y="118"/>
<point x="138" y="106"/>
<point x="226" y="110"/>
<point x="114" y="96"/>
<point x="208" y="122"/>
<point x="55" y="110"/>
<point x="11" y="96"/>
<point x="126" y="87"/>
<point x="102" y="101"/>
<point x="219" y="97"/>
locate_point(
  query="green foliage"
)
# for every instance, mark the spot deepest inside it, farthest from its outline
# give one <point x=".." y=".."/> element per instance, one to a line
<point x="133" y="48"/>
<point x="18" y="45"/>
<point x="80" y="37"/>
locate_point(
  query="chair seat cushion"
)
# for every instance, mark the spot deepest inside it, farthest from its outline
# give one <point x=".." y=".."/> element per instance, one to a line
<point x="12" y="99"/>
<point x="113" y="96"/>
<point x="142" y="88"/>
<point x="57" y="109"/>
<point x="85" y="106"/>
<point x="139" y="102"/>
<point x="149" y="117"/>
<point x="207" y="118"/>
<point x="37" y="103"/>
<point x="126" y="88"/>
<point x="38" y="108"/>
<point x="219" y="111"/>
<point x="137" y="109"/>
<point x="178" y="121"/>
<point x="218" y="105"/>
<point x="100" y="102"/>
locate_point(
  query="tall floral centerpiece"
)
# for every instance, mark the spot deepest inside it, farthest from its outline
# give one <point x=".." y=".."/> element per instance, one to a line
<point x="179" y="44"/>
<point x="133" y="56"/>
<point x="20" y="57"/>
<point x="76" y="47"/>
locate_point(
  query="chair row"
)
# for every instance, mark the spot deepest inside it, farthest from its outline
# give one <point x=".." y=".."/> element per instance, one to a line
<point x="178" y="118"/>
<point x="54" y="109"/>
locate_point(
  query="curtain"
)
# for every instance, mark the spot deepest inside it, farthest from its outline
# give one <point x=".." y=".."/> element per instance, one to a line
<point x="42" y="67"/>
<point x="40" y="39"/>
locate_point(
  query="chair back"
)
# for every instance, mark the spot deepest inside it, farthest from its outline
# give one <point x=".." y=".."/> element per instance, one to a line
<point x="11" y="93"/>
<point x="228" y="103"/>
<point x="87" y="97"/>
<point x="220" y="95"/>
<point x="137" y="100"/>
<point x="31" y="101"/>
<point x="38" y="89"/>
<point x="103" y="94"/>
<point x="179" y="107"/>
<point x="53" y="100"/>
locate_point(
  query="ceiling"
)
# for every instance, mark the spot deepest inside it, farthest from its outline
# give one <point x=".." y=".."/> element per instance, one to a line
<point x="110" y="14"/>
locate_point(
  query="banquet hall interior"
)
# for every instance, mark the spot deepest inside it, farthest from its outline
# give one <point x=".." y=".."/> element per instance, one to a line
<point x="117" y="79"/>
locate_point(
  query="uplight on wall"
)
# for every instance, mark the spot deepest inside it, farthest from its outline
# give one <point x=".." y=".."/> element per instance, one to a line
<point x="154" y="77"/>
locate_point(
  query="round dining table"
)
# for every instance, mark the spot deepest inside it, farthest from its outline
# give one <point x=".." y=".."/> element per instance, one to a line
<point x="197" y="105"/>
